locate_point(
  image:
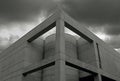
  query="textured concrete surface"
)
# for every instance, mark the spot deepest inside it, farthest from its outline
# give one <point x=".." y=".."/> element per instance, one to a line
<point x="86" y="52"/>
<point x="34" y="54"/>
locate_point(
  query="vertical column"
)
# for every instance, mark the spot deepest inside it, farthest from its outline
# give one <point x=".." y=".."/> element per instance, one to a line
<point x="98" y="76"/>
<point x="97" y="55"/>
<point x="60" y="51"/>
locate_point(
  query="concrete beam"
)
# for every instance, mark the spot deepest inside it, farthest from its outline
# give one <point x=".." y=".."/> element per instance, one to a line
<point x="42" y="31"/>
<point x="45" y="26"/>
<point x="81" y="65"/>
<point x="77" y="31"/>
<point x="39" y="66"/>
<point x="103" y="73"/>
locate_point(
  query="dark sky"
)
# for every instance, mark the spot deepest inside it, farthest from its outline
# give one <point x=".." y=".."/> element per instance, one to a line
<point x="99" y="12"/>
<point x="22" y="10"/>
<point x="99" y="15"/>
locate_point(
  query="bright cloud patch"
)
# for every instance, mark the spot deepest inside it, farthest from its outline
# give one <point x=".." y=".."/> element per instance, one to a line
<point x="16" y="30"/>
<point x="103" y="36"/>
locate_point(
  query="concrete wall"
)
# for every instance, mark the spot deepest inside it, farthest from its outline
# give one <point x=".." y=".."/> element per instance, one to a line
<point x="117" y="62"/>
<point x="33" y="54"/>
<point x="13" y="61"/>
<point x="110" y="60"/>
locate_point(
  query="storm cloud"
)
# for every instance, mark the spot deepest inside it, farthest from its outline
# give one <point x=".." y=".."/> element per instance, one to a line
<point x="22" y="10"/>
<point x="89" y="12"/>
<point x="99" y="15"/>
<point x="17" y="17"/>
<point x="96" y="12"/>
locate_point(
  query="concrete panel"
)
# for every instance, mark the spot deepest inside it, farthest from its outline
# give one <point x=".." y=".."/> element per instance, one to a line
<point x="33" y="54"/>
<point x="107" y="61"/>
<point x="13" y="62"/>
<point x="0" y="72"/>
<point x="86" y="52"/>
<point x="10" y="62"/>
<point x="118" y="67"/>
<point x="13" y="75"/>
<point x="10" y="55"/>
<point x="34" y="51"/>
<point x="13" y="69"/>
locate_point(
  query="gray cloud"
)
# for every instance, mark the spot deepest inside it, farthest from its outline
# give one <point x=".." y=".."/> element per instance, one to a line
<point x="114" y="41"/>
<point x="22" y="10"/>
<point x="98" y="12"/>
<point x="6" y="42"/>
<point x="113" y="29"/>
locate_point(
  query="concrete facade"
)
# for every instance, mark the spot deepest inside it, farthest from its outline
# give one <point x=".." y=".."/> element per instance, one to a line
<point x="59" y="57"/>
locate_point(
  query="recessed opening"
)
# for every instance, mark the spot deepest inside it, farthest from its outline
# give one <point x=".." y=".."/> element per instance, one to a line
<point x="107" y="79"/>
<point x="42" y="73"/>
<point x="79" y="33"/>
<point x="87" y="78"/>
<point x="48" y="33"/>
<point x="53" y="31"/>
<point x="81" y="74"/>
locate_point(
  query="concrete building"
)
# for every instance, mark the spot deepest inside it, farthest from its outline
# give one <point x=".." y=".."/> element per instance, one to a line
<point x="59" y="57"/>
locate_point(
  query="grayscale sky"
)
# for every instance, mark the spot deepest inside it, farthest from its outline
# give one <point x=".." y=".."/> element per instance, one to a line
<point x="102" y="17"/>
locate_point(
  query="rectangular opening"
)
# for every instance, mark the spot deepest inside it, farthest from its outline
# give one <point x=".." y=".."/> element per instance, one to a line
<point x="40" y="74"/>
<point x="99" y="58"/>
<point x="79" y="74"/>
<point x="87" y="78"/>
<point x="78" y="32"/>
<point x="107" y="79"/>
<point x="42" y="32"/>
<point x="39" y="68"/>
